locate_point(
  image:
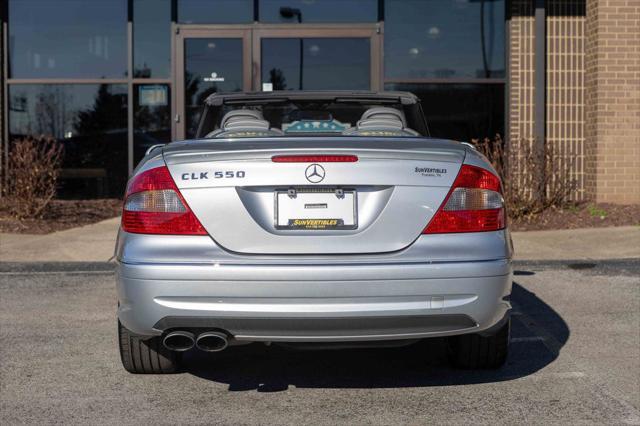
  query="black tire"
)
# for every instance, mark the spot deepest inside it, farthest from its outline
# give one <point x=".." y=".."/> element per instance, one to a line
<point x="475" y="351"/>
<point x="145" y="355"/>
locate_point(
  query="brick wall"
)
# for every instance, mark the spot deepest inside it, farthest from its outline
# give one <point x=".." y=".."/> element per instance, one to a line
<point x="564" y="128"/>
<point x="521" y="70"/>
<point x="521" y="81"/>
<point x="612" y="110"/>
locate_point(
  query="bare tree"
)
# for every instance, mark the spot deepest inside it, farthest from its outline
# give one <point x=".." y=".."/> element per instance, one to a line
<point x="52" y="111"/>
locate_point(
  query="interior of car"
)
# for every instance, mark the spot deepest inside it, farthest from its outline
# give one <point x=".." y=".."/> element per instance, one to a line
<point x="251" y="122"/>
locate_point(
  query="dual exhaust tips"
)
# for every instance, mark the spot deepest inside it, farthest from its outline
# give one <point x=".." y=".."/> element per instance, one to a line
<point x="210" y="341"/>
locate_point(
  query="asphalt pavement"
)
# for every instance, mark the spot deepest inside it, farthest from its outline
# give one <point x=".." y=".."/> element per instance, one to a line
<point x="575" y="358"/>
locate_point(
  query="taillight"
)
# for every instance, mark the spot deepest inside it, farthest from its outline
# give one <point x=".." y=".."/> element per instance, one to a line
<point x="474" y="204"/>
<point x="153" y="205"/>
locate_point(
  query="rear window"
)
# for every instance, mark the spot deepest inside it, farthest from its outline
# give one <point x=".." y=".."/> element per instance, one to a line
<point x="312" y="118"/>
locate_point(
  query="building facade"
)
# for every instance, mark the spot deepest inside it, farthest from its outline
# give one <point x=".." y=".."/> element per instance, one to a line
<point x="109" y="78"/>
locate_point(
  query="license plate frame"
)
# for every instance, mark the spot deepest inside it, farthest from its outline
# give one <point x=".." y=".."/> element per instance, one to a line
<point x="316" y="209"/>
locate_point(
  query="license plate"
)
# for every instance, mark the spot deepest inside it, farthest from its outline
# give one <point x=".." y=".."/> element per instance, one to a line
<point x="317" y="210"/>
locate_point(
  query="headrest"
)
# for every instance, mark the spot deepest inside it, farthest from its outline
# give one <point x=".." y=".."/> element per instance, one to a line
<point x="240" y="114"/>
<point x="384" y="113"/>
<point x="379" y="123"/>
<point x="246" y="123"/>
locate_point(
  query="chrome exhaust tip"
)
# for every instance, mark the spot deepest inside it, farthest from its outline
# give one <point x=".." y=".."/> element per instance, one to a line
<point x="179" y="341"/>
<point x="212" y="341"/>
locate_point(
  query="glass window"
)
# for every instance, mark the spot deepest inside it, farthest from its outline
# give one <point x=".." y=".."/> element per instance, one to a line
<point x="151" y="117"/>
<point x="90" y="120"/>
<point x="151" y="38"/>
<point x="319" y="10"/>
<point x="211" y="65"/>
<point x="67" y="38"/>
<point x="215" y="11"/>
<point x="460" y="111"/>
<point x="444" y="39"/>
<point x="327" y="63"/>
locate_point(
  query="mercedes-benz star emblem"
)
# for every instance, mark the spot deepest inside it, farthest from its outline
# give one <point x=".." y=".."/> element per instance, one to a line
<point x="315" y="173"/>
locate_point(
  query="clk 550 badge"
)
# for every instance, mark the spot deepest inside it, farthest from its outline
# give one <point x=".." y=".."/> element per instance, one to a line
<point x="228" y="174"/>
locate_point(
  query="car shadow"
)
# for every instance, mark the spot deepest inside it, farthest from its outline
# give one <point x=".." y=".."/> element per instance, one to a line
<point x="538" y="333"/>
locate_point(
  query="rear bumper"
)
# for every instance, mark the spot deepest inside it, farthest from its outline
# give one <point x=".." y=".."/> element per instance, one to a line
<point x="316" y="301"/>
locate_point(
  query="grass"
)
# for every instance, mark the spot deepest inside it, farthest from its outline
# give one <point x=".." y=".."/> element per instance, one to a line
<point x="597" y="212"/>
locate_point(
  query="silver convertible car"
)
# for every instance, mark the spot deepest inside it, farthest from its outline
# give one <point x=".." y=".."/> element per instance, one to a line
<point x="312" y="220"/>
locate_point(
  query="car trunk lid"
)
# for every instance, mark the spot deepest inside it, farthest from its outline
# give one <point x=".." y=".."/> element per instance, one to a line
<point x="249" y="203"/>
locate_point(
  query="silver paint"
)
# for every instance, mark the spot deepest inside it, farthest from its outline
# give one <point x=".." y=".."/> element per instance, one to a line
<point x="247" y="268"/>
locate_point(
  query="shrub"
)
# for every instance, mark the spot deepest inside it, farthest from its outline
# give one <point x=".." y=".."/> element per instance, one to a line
<point x="534" y="179"/>
<point x="32" y="175"/>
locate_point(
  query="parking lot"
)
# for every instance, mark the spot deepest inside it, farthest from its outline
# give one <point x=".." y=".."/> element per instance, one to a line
<point x="575" y="357"/>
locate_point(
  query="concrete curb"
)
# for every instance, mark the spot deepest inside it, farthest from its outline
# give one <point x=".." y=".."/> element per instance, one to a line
<point x="588" y="244"/>
<point x="46" y="267"/>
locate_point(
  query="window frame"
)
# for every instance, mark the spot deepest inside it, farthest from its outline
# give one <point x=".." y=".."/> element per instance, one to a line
<point x="254" y="6"/>
<point x="457" y="80"/>
<point x="4" y="19"/>
<point x="460" y="80"/>
<point x="375" y="12"/>
<point x="129" y="81"/>
<point x="58" y="83"/>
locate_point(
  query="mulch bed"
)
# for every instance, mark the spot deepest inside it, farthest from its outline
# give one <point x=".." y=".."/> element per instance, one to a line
<point x="580" y="216"/>
<point x="65" y="214"/>
<point x="61" y="215"/>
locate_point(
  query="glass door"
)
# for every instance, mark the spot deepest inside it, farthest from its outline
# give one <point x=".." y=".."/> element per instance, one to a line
<point x="269" y="57"/>
<point x="208" y="61"/>
<point x="316" y="59"/>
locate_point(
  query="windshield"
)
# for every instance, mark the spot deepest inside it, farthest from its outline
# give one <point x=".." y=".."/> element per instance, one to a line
<point x="312" y="118"/>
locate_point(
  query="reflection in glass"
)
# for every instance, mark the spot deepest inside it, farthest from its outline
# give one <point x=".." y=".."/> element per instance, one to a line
<point x="90" y="121"/>
<point x="327" y="63"/>
<point x="460" y="111"/>
<point x="320" y="10"/>
<point x="151" y="118"/>
<point x="151" y="38"/>
<point x="444" y="39"/>
<point x="215" y="11"/>
<point x="68" y="38"/>
<point x="211" y="65"/>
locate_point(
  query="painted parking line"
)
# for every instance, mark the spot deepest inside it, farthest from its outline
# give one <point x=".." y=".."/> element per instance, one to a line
<point x="538" y="332"/>
<point x="528" y="339"/>
<point x="566" y="375"/>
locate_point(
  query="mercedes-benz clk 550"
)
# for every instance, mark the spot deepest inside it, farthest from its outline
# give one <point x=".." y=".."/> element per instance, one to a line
<point x="312" y="219"/>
